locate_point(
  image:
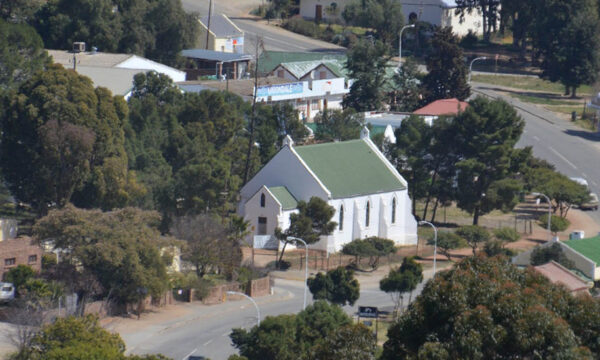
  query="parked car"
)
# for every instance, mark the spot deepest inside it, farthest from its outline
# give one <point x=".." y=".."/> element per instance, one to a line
<point x="592" y="204"/>
<point x="7" y="292"/>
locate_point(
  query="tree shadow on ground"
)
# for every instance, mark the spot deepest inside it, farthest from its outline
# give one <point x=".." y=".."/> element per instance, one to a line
<point x="588" y="135"/>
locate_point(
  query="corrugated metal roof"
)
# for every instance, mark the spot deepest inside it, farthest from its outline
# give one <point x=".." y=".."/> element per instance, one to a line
<point x="269" y="60"/>
<point x="214" y="55"/>
<point x="349" y="168"/>
<point x="221" y="26"/>
<point x="301" y="68"/>
<point x="118" y="81"/>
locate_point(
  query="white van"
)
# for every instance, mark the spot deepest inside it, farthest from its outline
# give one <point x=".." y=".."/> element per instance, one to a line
<point x="7" y="292"/>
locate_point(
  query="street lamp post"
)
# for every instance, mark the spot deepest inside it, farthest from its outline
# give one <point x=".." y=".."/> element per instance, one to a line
<point x="549" y="212"/>
<point x="305" y="267"/>
<point x="251" y="299"/>
<point x="471" y="65"/>
<point x="400" y="44"/>
<point x="423" y="222"/>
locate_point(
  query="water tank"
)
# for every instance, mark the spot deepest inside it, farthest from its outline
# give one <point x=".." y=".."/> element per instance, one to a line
<point x="577" y="235"/>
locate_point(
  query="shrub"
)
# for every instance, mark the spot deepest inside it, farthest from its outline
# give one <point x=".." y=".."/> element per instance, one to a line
<point x="469" y="41"/>
<point x="304" y="27"/>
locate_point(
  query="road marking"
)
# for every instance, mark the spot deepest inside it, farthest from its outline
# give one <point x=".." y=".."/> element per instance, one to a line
<point x="226" y="334"/>
<point x="188" y="355"/>
<point x="562" y="157"/>
<point x="536" y="138"/>
<point x="208" y="342"/>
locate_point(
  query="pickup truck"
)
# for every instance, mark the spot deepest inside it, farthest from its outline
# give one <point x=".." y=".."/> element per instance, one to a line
<point x="591" y="204"/>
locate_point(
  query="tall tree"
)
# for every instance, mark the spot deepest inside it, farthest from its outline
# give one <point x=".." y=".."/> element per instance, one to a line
<point x="446" y="69"/>
<point x="22" y="54"/>
<point x="406" y="92"/>
<point x="157" y="29"/>
<point x="366" y="64"/>
<point x="568" y="36"/>
<point x="339" y="125"/>
<point x="486" y="134"/>
<point x="384" y="16"/>
<point x="63" y="141"/>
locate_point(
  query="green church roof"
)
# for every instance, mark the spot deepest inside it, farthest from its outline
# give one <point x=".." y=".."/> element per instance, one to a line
<point x="349" y="168"/>
<point x="589" y="248"/>
<point x="301" y="68"/>
<point x="285" y="198"/>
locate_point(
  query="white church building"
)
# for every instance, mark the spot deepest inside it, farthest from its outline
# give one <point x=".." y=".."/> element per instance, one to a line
<point x="369" y="196"/>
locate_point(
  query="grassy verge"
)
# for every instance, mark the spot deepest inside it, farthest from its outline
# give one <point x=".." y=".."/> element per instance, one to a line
<point x="527" y="83"/>
<point x="545" y="100"/>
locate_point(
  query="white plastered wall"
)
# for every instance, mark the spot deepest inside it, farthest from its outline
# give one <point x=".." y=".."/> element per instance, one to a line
<point x="253" y="210"/>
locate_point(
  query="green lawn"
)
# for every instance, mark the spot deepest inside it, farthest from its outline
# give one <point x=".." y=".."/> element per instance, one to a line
<point x="528" y="83"/>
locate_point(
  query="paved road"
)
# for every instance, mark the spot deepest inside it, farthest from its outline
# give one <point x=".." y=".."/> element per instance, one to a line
<point x="207" y="331"/>
<point x="274" y="38"/>
<point x="574" y="152"/>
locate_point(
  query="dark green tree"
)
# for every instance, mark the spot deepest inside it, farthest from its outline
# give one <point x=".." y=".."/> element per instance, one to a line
<point x="557" y="223"/>
<point x="544" y="254"/>
<point x="474" y="235"/>
<point x="562" y="191"/>
<point x="339" y="125"/>
<point x="19" y="11"/>
<point x="157" y="29"/>
<point x="373" y="247"/>
<point x="21" y="53"/>
<point x="291" y="336"/>
<point x="446" y="69"/>
<point x="412" y="156"/>
<point x="568" y="37"/>
<point x="63" y="141"/>
<point x="351" y="342"/>
<point x="338" y="286"/>
<point x="485" y="138"/>
<point x="406" y="92"/>
<point x="447" y="241"/>
<point x="312" y="221"/>
<point x="366" y="64"/>
<point x="384" y="16"/>
<point x="19" y="275"/>
<point x="488" y="308"/>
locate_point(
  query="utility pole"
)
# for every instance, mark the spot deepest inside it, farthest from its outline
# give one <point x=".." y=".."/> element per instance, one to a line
<point x="208" y="23"/>
<point x="253" y="115"/>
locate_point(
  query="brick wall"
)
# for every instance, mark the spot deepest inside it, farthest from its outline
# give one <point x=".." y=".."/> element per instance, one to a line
<point x="19" y="251"/>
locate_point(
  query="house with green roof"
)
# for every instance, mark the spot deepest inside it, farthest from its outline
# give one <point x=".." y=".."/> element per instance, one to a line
<point x="369" y="195"/>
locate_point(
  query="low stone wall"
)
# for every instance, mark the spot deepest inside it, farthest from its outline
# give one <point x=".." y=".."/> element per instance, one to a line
<point x="216" y="294"/>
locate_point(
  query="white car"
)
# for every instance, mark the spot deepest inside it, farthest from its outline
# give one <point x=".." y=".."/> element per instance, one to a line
<point x="7" y="292"/>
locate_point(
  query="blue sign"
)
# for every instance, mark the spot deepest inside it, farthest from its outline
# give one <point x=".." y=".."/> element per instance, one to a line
<point x="280" y="89"/>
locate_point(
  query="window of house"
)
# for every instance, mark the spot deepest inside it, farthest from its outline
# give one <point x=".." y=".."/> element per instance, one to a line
<point x="394" y="211"/>
<point x="280" y="73"/>
<point x="341" y="221"/>
<point x="262" y="200"/>
<point x="262" y="225"/>
<point x="32" y="259"/>
<point x="323" y="75"/>
<point x="10" y="261"/>
<point x="368" y="214"/>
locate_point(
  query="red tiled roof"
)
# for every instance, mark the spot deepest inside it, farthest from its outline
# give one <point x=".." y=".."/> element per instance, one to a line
<point x="558" y="274"/>
<point x="442" y="107"/>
